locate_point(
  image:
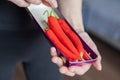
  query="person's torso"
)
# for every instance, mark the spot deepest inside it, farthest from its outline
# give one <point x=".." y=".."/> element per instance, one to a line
<point x="13" y="17"/>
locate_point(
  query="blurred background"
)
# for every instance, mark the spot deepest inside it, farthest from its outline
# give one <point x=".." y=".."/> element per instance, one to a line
<point x="102" y="19"/>
<point x="102" y="22"/>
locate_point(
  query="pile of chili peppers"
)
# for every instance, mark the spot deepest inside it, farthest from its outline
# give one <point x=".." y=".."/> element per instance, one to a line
<point x="65" y="39"/>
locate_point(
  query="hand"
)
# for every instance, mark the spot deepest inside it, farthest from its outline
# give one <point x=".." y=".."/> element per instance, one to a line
<point x="79" y="70"/>
<point x="25" y="3"/>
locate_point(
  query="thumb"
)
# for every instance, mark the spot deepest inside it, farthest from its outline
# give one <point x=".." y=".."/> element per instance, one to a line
<point x="98" y="65"/>
<point x="52" y="3"/>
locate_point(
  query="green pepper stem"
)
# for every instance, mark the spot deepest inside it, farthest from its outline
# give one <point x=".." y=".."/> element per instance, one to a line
<point x="45" y="23"/>
<point x="46" y="11"/>
<point x="51" y="12"/>
<point x="81" y="55"/>
<point x="54" y="13"/>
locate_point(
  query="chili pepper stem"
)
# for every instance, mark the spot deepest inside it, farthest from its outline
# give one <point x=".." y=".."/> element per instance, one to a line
<point x="81" y="55"/>
<point x="63" y="59"/>
<point x="54" y="13"/>
<point x="51" y="13"/>
<point x="46" y="11"/>
<point x="46" y="25"/>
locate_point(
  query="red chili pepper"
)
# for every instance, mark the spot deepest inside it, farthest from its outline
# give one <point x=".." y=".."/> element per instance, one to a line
<point x="74" y="38"/>
<point x="54" y="25"/>
<point x="59" y="45"/>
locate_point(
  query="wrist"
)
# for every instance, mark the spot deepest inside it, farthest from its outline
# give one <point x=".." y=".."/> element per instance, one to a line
<point x="76" y="23"/>
<point x="72" y="13"/>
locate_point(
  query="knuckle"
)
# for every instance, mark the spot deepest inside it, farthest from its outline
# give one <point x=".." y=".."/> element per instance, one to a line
<point x="38" y="2"/>
<point x="35" y="1"/>
<point x="22" y="5"/>
<point x="30" y="0"/>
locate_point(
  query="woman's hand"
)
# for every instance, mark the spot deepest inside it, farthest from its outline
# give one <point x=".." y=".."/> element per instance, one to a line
<point x="25" y="3"/>
<point x="79" y="70"/>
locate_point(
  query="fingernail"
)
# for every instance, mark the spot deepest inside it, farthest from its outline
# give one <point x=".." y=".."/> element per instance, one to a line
<point x="54" y="3"/>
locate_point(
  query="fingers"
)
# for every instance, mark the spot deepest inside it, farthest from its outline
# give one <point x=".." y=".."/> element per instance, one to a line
<point x="71" y="71"/>
<point x="64" y="70"/>
<point x="98" y="64"/>
<point x="89" y="41"/>
<point x="80" y="70"/>
<point x="26" y="3"/>
<point x="53" y="51"/>
<point x="52" y="3"/>
<point x="58" y="61"/>
<point x="20" y="3"/>
<point x="34" y="1"/>
<point x="55" y="59"/>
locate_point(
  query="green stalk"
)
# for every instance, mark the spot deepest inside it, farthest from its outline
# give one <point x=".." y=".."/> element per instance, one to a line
<point x="46" y="11"/>
<point x="51" y="12"/>
<point x="45" y="23"/>
<point x="81" y="55"/>
<point x="54" y="13"/>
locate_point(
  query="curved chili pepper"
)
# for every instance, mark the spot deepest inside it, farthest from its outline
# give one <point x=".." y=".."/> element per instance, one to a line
<point x="74" y="38"/>
<point x="54" y="25"/>
<point x="59" y="45"/>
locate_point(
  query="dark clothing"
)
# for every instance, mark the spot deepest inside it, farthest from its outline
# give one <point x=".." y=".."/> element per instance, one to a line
<point x="14" y="18"/>
<point x="102" y="19"/>
<point x="22" y="42"/>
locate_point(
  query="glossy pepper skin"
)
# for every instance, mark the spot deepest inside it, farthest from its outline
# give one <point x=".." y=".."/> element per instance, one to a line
<point x="56" y="28"/>
<point x="68" y="54"/>
<point x="74" y="38"/>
